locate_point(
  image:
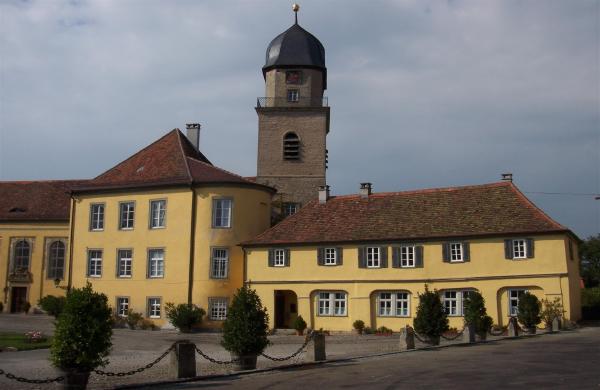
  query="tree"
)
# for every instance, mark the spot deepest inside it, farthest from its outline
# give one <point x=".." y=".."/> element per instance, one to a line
<point x="431" y="319"/>
<point x="476" y="314"/>
<point x="184" y="315"/>
<point x="52" y="305"/>
<point x="529" y="311"/>
<point x="589" y="252"/>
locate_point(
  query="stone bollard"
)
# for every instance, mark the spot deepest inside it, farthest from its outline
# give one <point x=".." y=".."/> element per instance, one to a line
<point x="319" y="354"/>
<point x="407" y="338"/>
<point x="469" y="333"/>
<point x="183" y="360"/>
<point x="556" y="324"/>
<point x="513" y="328"/>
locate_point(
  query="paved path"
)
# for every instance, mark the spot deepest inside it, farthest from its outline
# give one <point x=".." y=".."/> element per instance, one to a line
<point x="561" y="361"/>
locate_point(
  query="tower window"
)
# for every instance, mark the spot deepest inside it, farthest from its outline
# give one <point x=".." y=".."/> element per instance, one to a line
<point x="293" y="95"/>
<point x="293" y="77"/>
<point x="291" y="147"/>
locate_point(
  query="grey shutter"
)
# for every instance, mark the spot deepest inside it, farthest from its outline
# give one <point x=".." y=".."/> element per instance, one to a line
<point x="508" y="253"/>
<point x="530" y="248"/>
<point x="395" y="257"/>
<point x="271" y="258"/>
<point x="419" y="256"/>
<point x="446" y="252"/>
<point x="383" y="250"/>
<point x="362" y="259"/>
<point x="321" y="256"/>
<point x="466" y="251"/>
<point x="287" y="257"/>
<point x="340" y="255"/>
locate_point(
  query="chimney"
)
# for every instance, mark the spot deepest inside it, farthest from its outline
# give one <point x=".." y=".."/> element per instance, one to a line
<point x="365" y="190"/>
<point x="193" y="134"/>
<point x="507" y="177"/>
<point x="323" y="194"/>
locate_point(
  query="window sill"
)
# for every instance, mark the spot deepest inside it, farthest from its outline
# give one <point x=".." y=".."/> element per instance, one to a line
<point x="157" y="227"/>
<point x="125" y="229"/>
<point x="124" y="277"/>
<point x="391" y="316"/>
<point x="154" y="317"/>
<point x="221" y="227"/>
<point x="332" y="315"/>
<point x="96" y="230"/>
<point x="156" y="277"/>
<point x="219" y="277"/>
<point x="94" y="276"/>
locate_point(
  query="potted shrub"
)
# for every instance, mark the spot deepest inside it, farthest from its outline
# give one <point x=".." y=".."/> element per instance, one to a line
<point x="551" y="311"/>
<point x="431" y="320"/>
<point x="299" y="325"/>
<point x="529" y="312"/>
<point x="476" y="315"/>
<point x="82" y="336"/>
<point x="52" y="305"/>
<point x="133" y="319"/>
<point x="184" y="315"/>
<point x="359" y="326"/>
<point x="245" y="329"/>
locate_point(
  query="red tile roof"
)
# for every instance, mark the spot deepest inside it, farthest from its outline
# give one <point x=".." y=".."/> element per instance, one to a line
<point x="47" y="200"/>
<point x="171" y="160"/>
<point x="490" y="209"/>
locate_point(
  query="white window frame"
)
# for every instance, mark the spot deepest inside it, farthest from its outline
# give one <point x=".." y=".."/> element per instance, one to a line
<point x="330" y="256"/>
<point x="218" y="308"/>
<point x="156" y="264"/>
<point x="154" y="307"/>
<point x="158" y="214"/>
<point x="127" y="263"/>
<point x="332" y="304"/>
<point x="22" y="254"/>
<point x="290" y="208"/>
<point x="519" y="248"/>
<point x="293" y="95"/>
<point x="221" y="213"/>
<point x="458" y="301"/>
<point x="122" y="306"/>
<point x="126" y="215"/>
<point x="407" y="256"/>
<point x="97" y="217"/>
<point x="95" y="263"/>
<point x="515" y="299"/>
<point x="219" y="263"/>
<point x="279" y="257"/>
<point x="393" y="304"/>
<point x="456" y="252"/>
<point x="54" y="270"/>
<point x="373" y="254"/>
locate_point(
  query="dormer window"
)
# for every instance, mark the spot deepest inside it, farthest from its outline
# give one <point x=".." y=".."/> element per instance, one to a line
<point x="17" y="210"/>
<point x="291" y="147"/>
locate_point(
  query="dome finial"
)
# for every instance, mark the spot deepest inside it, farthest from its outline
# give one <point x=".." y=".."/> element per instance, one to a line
<point x="296" y="8"/>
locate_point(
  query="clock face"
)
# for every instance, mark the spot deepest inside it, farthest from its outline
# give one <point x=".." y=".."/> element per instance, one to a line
<point x="293" y="77"/>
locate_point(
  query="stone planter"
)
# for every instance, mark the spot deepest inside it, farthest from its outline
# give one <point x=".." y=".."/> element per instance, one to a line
<point x="245" y="362"/>
<point x="75" y="380"/>
<point x="480" y="337"/>
<point x="299" y="332"/>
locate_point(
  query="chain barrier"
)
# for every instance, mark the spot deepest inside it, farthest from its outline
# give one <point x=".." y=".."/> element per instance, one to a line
<point x="492" y="333"/>
<point x="282" y="359"/>
<point x="35" y="381"/>
<point x="137" y="370"/>
<point x="454" y="337"/>
<point x="205" y="356"/>
<point x="423" y="340"/>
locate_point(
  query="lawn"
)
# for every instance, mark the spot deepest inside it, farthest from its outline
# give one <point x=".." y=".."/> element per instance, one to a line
<point x="17" y="340"/>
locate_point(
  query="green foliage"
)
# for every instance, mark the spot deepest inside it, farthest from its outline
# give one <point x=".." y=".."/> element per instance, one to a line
<point x="529" y="310"/>
<point x="431" y="319"/>
<point x="26" y="307"/>
<point x="119" y="322"/>
<point x="299" y="324"/>
<point x="247" y="324"/>
<point x="589" y="252"/>
<point x="18" y="341"/>
<point x="1" y="307"/>
<point x="384" y="330"/>
<point x="476" y="313"/>
<point x="590" y="303"/>
<point x="551" y="311"/>
<point x="359" y="325"/>
<point x="133" y="319"/>
<point x="83" y="331"/>
<point x="146" y="324"/>
<point x="184" y="315"/>
<point x="52" y="305"/>
<point x="368" y="330"/>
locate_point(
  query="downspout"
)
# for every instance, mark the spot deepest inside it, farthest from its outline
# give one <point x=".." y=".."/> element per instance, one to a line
<point x="192" y="245"/>
<point x="245" y="272"/>
<point x="71" y="240"/>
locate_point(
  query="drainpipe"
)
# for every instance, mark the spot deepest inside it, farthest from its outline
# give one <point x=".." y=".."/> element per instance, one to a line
<point x="71" y="241"/>
<point x="192" y="245"/>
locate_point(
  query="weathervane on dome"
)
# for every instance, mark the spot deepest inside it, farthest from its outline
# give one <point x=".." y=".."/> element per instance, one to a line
<point x="296" y="8"/>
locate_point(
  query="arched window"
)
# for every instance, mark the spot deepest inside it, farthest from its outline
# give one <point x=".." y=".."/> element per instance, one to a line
<point x="56" y="260"/>
<point x="22" y="254"/>
<point x="291" y="147"/>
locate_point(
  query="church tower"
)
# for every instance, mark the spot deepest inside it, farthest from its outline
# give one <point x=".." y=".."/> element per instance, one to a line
<point x="293" y="119"/>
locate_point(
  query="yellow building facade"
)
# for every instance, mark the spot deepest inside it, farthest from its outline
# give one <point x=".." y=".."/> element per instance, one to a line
<point x="145" y="241"/>
<point x="332" y="264"/>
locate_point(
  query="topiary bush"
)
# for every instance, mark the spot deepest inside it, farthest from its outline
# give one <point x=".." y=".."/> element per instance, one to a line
<point x="246" y="327"/>
<point x="529" y="311"/>
<point x="431" y="319"/>
<point x="184" y="315"/>
<point x="299" y="325"/>
<point x="359" y="325"/>
<point x="52" y="305"/>
<point x="476" y="314"/>
<point x="82" y="335"/>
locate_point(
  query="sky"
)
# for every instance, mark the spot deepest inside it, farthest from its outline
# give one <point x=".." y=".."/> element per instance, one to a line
<point x="423" y="94"/>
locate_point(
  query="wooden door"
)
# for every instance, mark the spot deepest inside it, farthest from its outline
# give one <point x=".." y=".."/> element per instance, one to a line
<point x="18" y="299"/>
<point x="279" y="310"/>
